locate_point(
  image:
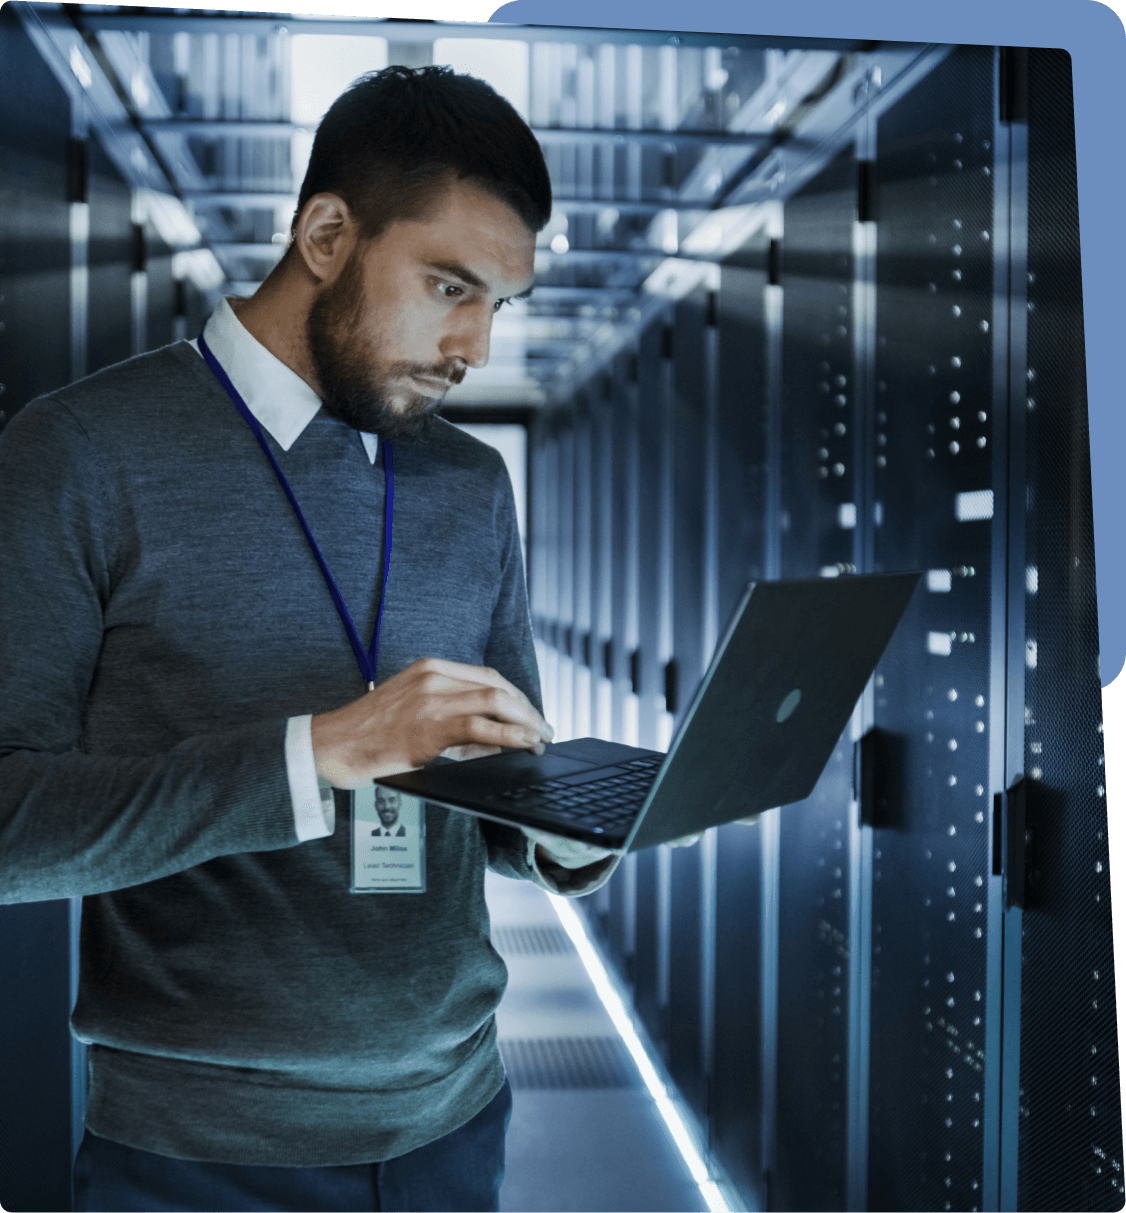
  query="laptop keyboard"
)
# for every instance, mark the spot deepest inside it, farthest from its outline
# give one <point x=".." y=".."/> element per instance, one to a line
<point x="600" y="805"/>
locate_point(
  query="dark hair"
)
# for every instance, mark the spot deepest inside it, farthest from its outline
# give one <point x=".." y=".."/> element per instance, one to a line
<point x="389" y="142"/>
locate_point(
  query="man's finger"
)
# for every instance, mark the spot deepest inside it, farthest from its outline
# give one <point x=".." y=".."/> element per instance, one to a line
<point x="497" y="704"/>
<point x="463" y="753"/>
<point x="479" y="730"/>
<point x="482" y="675"/>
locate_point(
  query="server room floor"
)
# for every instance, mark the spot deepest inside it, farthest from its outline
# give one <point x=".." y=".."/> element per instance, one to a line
<point x="585" y="1133"/>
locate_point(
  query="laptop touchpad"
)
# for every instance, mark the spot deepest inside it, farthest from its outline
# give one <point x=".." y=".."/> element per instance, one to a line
<point x="484" y="777"/>
<point x="526" y="767"/>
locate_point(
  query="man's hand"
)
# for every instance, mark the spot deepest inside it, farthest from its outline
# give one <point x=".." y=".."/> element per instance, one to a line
<point x="411" y="718"/>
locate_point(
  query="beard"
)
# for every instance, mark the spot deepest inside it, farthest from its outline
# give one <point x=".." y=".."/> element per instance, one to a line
<point x="355" y="389"/>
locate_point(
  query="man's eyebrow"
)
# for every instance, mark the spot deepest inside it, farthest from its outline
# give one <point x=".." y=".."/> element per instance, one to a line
<point x="456" y="270"/>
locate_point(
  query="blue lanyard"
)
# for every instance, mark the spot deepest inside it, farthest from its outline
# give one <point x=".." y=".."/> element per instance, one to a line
<point x="367" y="660"/>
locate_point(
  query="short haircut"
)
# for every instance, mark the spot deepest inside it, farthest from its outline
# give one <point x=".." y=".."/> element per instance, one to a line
<point x="390" y="141"/>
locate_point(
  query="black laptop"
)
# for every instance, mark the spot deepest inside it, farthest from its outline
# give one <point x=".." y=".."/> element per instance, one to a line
<point x="780" y="689"/>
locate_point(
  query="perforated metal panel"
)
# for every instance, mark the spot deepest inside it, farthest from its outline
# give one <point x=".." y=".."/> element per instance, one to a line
<point x="623" y="455"/>
<point x="651" y="951"/>
<point x="742" y="408"/>
<point x="934" y="405"/>
<point x="652" y="376"/>
<point x="818" y="483"/>
<point x="1070" y="1153"/>
<point x="569" y="1063"/>
<point x="736" y="1103"/>
<point x="818" y="396"/>
<point x="686" y="1007"/>
<point x="689" y="567"/>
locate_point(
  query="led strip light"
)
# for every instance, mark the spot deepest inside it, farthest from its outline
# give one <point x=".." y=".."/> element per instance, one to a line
<point x="709" y="1188"/>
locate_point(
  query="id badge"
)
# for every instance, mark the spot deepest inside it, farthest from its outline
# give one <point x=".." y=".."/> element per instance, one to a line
<point x="388" y="841"/>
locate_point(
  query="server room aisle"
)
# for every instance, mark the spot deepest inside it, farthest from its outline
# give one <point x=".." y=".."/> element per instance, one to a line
<point x="585" y="1133"/>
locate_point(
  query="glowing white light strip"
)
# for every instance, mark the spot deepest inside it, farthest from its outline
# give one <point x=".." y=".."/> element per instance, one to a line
<point x="620" y="1017"/>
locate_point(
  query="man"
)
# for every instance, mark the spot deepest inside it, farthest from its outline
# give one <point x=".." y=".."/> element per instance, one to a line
<point x="179" y="695"/>
<point x="387" y="806"/>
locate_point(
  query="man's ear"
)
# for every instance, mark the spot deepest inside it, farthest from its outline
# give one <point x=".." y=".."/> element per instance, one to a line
<point x="325" y="235"/>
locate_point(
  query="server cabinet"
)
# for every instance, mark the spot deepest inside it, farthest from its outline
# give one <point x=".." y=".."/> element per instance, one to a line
<point x="744" y="399"/>
<point x="818" y="503"/>
<point x="602" y="558"/>
<point x="580" y="637"/>
<point x="623" y="639"/>
<point x="38" y="187"/>
<point x="39" y="194"/>
<point x="736" y="1096"/>
<point x="651" y="956"/>
<point x="911" y="1004"/>
<point x="113" y="256"/>
<point x="1068" y="1124"/>
<point x="625" y="568"/>
<point x="568" y="557"/>
<point x="542" y="558"/>
<point x="936" y="493"/>
<point x="689" y="441"/>
<point x="743" y="420"/>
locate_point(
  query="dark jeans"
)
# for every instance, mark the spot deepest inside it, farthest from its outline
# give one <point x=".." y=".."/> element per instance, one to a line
<point x="461" y="1171"/>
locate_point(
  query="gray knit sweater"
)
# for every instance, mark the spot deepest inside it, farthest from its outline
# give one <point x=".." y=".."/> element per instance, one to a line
<point x="161" y="616"/>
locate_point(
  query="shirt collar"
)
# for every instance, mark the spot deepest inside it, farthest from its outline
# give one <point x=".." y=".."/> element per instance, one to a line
<point x="280" y="400"/>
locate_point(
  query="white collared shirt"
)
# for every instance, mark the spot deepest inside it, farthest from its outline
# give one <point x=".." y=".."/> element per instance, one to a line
<point x="283" y="404"/>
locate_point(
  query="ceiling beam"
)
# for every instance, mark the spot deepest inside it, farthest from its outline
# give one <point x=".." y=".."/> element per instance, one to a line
<point x="263" y="25"/>
<point x="210" y="128"/>
<point x="249" y="199"/>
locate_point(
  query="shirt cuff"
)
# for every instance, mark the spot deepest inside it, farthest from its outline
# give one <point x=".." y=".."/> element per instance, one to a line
<point x="581" y="868"/>
<point x="314" y="808"/>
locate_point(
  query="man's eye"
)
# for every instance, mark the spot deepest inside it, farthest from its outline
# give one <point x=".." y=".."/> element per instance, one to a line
<point x="500" y="303"/>
<point x="448" y="289"/>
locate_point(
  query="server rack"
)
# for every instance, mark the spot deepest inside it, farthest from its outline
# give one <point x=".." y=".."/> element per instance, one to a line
<point x="888" y="1000"/>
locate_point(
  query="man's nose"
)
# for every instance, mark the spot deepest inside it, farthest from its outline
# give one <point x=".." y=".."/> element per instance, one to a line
<point x="469" y="341"/>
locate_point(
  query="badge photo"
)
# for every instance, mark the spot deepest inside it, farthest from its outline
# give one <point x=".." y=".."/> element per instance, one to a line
<point x="388" y="842"/>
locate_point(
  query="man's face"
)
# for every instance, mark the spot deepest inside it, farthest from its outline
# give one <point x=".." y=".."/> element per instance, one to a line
<point x="387" y="806"/>
<point x="412" y="310"/>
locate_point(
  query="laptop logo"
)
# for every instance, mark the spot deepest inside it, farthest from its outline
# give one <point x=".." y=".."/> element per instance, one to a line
<point x="787" y="706"/>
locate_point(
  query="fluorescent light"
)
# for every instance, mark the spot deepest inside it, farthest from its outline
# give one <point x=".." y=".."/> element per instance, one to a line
<point x="676" y="277"/>
<point x="80" y="67"/>
<point x="667" y="225"/>
<point x="169" y="216"/>
<point x="201" y="266"/>
<point x="624" y="1024"/>
<point x="503" y="64"/>
<point x="324" y="65"/>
